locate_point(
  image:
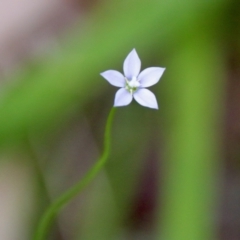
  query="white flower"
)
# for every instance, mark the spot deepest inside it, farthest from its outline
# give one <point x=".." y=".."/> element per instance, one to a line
<point x="133" y="84"/>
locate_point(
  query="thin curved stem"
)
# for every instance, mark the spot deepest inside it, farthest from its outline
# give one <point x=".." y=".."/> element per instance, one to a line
<point x="51" y="213"/>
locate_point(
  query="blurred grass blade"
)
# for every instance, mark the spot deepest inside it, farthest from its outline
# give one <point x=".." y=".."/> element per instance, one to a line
<point x="193" y="160"/>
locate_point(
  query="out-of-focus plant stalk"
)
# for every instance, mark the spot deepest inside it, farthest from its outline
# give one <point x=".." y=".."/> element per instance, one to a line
<point x="192" y="158"/>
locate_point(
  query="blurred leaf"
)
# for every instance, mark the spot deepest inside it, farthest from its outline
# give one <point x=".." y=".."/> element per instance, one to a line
<point x="193" y="159"/>
<point x="58" y="86"/>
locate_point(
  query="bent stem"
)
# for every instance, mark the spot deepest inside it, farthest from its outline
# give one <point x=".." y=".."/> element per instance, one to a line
<point x="51" y="213"/>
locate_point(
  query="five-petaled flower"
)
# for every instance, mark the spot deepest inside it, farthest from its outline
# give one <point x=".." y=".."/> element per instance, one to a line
<point x="133" y="84"/>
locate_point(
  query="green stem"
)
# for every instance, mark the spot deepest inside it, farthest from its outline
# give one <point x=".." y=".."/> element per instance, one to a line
<point x="51" y="213"/>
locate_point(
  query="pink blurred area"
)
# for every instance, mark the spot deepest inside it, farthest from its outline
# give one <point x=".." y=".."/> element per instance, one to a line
<point x="30" y="28"/>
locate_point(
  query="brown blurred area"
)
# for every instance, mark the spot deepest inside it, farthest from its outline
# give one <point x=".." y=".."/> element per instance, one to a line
<point x="230" y="192"/>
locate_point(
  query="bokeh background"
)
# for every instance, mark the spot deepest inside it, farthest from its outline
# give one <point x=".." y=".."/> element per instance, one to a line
<point x="173" y="174"/>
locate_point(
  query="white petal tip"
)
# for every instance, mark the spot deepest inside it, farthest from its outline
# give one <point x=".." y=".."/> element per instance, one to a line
<point x="114" y="77"/>
<point x="150" y="76"/>
<point x="132" y="65"/>
<point x="152" y="106"/>
<point x="122" y="98"/>
<point x="118" y="105"/>
<point x="146" y="98"/>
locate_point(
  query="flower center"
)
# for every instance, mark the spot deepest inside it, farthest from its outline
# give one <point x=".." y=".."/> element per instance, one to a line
<point x="132" y="85"/>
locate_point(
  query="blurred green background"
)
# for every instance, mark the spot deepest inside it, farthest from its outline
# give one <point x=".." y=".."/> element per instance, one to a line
<point x="173" y="174"/>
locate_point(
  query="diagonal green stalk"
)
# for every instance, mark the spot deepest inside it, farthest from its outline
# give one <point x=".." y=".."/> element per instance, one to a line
<point x="53" y="210"/>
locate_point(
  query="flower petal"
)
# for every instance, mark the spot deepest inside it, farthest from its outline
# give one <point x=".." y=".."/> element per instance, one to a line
<point x="114" y="77"/>
<point x="122" y="98"/>
<point x="150" y="76"/>
<point x="132" y="65"/>
<point x="146" y="98"/>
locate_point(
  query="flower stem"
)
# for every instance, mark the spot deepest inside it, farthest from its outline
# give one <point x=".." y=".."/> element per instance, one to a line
<point x="53" y="210"/>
